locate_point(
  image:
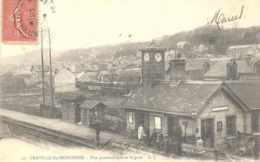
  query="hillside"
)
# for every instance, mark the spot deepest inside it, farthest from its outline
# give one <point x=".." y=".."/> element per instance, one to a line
<point x="213" y="38"/>
<point x="32" y="57"/>
<point x="217" y="41"/>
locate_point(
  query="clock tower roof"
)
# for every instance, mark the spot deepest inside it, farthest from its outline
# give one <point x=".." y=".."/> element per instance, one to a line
<point x="153" y="47"/>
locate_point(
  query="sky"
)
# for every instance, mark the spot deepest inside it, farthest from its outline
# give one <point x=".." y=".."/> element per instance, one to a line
<point x="90" y="23"/>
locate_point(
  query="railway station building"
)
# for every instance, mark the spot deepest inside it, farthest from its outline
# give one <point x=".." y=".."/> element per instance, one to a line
<point x="211" y="110"/>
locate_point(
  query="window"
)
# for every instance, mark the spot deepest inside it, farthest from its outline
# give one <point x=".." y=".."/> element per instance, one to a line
<point x="158" y="122"/>
<point x="130" y="117"/>
<point x="231" y="125"/>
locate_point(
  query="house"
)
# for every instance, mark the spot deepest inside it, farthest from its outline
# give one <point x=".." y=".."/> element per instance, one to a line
<point x="36" y="73"/>
<point x="213" y="110"/>
<point x="247" y="69"/>
<point x="183" y="45"/>
<point x="242" y="51"/>
<point x="23" y="72"/>
<point x="202" y="48"/>
<point x="79" y="75"/>
<point x="64" y="81"/>
<point x="91" y="76"/>
<point x="195" y="68"/>
<point x="89" y="81"/>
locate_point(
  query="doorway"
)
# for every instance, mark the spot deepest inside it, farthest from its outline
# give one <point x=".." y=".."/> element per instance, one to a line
<point x="142" y="118"/>
<point x="78" y="114"/>
<point x="207" y="132"/>
<point x="172" y="123"/>
<point x="255" y="122"/>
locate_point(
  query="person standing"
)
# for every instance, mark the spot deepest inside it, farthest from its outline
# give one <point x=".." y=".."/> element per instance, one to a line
<point x="161" y="142"/>
<point x="144" y="136"/>
<point x="166" y="143"/>
<point x="140" y="132"/>
<point x="153" y="138"/>
<point x="179" y="140"/>
<point x="199" y="142"/>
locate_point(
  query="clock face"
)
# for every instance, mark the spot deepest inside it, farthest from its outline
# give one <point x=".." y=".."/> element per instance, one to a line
<point x="158" y="57"/>
<point x="146" y="57"/>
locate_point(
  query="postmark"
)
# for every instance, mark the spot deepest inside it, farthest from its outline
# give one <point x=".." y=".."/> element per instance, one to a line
<point x="20" y="21"/>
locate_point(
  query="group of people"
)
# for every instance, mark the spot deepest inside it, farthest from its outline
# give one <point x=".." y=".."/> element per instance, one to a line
<point x="162" y="142"/>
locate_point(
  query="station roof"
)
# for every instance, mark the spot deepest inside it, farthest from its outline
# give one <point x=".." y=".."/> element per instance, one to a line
<point x="90" y="104"/>
<point x="188" y="96"/>
<point x="180" y="99"/>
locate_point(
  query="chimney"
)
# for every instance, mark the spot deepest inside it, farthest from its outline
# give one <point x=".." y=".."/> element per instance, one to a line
<point x="177" y="71"/>
<point x="206" y="67"/>
<point x="248" y="59"/>
<point x="232" y="70"/>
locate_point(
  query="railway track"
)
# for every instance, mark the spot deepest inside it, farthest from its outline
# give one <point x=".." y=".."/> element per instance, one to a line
<point x="34" y="134"/>
<point x="26" y="130"/>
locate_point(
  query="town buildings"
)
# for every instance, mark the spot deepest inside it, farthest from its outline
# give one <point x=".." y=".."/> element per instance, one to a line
<point x="242" y="51"/>
<point x="246" y="69"/>
<point x="36" y="73"/>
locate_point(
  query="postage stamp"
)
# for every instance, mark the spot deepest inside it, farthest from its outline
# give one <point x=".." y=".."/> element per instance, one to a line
<point x="19" y="21"/>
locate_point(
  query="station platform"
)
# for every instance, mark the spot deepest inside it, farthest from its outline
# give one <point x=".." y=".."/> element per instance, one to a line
<point x="67" y="128"/>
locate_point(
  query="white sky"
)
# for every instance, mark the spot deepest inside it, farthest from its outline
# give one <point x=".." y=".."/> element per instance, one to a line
<point x="87" y="23"/>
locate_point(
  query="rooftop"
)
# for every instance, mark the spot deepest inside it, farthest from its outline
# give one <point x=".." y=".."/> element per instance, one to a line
<point x="90" y="104"/>
<point x="172" y="99"/>
<point x="188" y="96"/>
<point x="153" y="46"/>
<point x="220" y="68"/>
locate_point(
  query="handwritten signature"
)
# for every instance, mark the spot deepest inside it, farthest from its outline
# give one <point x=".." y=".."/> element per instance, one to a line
<point x="221" y="19"/>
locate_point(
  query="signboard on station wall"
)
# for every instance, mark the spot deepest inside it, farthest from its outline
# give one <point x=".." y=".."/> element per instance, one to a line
<point x="221" y="108"/>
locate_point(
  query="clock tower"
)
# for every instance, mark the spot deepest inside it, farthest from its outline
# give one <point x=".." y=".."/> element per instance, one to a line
<point x="153" y="64"/>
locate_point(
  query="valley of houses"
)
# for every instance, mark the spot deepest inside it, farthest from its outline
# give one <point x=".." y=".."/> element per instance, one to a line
<point x="215" y="99"/>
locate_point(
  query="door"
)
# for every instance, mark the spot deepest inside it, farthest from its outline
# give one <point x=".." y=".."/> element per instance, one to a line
<point x="78" y="114"/>
<point x="172" y="122"/>
<point x="207" y="132"/>
<point x="142" y="118"/>
<point x="146" y="121"/>
<point x="255" y="122"/>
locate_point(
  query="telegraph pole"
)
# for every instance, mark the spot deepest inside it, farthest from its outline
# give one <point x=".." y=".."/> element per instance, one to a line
<point x="52" y="104"/>
<point x="43" y="91"/>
